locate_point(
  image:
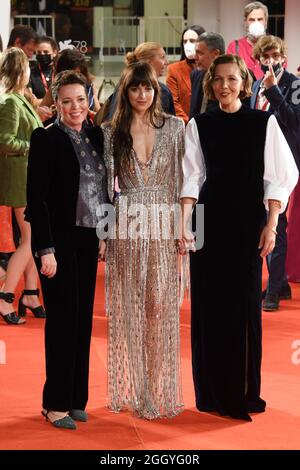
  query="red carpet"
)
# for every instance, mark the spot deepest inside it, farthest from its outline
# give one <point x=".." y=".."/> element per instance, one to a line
<point x="22" y="377"/>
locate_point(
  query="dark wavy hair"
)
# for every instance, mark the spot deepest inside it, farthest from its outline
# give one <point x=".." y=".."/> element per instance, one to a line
<point x="67" y="77"/>
<point x="71" y="59"/>
<point x="133" y="75"/>
<point x="23" y="32"/>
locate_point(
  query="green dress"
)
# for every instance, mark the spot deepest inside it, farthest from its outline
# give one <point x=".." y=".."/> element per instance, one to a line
<point x="18" y="120"/>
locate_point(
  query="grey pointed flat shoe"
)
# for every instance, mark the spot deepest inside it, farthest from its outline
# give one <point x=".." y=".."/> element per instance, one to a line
<point x="63" y="423"/>
<point x="79" y="415"/>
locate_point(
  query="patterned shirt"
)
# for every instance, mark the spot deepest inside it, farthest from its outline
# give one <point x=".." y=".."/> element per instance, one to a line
<point x="93" y="178"/>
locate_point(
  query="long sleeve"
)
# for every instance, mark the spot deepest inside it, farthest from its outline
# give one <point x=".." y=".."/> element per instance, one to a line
<point x="194" y="171"/>
<point x="281" y="174"/>
<point x="40" y="176"/>
<point x="287" y="112"/>
<point x="167" y="99"/>
<point x="178" y="159"/>
<point x="108" y="157"/>
<point x="10" y="143"/>
<point x="196" y="92"/>
<point x="172" y="84"/>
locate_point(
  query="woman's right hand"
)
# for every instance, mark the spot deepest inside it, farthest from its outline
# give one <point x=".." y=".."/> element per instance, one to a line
<point x="102" y="250"/>
<point x="49" y="265"/>
<point x="189" y="240"/>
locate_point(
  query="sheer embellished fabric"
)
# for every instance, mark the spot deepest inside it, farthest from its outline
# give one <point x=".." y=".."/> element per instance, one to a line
<point x="142" y="281"/>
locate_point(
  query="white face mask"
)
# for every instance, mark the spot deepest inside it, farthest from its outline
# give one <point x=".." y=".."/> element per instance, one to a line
<point x="256" y="29"/>
<point x="189" y="50"/>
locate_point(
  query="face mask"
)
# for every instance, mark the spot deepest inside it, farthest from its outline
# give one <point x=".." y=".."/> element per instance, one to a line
<point x="44" y="60"/>
<point x="189" y="50"/>
<point x="256" y="29"/>
<point x="276" y="68"/>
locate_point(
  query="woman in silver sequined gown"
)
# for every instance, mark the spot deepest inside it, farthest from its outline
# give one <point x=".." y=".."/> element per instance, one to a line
<point x="142" y="281"/>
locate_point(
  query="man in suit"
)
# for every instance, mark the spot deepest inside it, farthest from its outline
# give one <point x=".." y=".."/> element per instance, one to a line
<point x="278" y="92"/>
<point x="208" y="47"/>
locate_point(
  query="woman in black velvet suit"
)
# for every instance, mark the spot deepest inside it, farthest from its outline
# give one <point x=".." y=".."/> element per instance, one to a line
<point x="67" y="183"/>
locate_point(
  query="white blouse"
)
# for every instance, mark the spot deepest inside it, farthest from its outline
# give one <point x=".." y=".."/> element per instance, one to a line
<point x="280" y="174"/>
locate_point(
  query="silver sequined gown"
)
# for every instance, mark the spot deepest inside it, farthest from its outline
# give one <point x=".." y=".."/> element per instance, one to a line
<point x="142" y="280"/>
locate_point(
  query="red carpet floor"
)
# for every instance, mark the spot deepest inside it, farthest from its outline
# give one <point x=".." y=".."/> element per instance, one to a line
<point x="22" y="377"/>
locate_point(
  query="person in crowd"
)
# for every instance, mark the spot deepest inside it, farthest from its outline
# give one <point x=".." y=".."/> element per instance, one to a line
<point x="275" y="93"/>
<point x="144" y="149"/>
<point x="24" y="37"/>
<point x="237" y="163"/>
<point x="256" y="22"/>
<point x="179" y="73"/>
<point x="5" y="227"/>
<point x="208" y="47"/>
<point x="62" y="211"/>
<point x="18" y="120"/>
<point x="154" y="54"/>
<point x="72" y="59"/>
<point x="42" y="74"/>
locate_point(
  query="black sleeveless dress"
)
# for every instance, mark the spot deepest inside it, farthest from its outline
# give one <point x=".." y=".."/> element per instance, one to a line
<point x="226" y="272"/>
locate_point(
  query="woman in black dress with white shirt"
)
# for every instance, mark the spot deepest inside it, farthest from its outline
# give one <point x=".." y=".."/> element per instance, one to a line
<point x="237" y="163"/>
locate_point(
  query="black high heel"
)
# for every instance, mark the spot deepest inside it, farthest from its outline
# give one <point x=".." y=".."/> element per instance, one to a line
<point x="63" y="423"/>
<point x="11" y="318"/>
<point x="38" y="312"/>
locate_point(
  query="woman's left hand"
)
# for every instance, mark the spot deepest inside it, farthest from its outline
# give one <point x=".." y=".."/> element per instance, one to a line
<point x="180" y="246"/>
<point x="267" y="240"/>
<point x="102" y="250"/>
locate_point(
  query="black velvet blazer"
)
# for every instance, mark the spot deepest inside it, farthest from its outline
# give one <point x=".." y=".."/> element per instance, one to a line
<point x="53" y="182"/>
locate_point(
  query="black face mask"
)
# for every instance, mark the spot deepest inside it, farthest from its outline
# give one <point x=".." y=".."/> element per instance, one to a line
<point x="44" y="60"/>
<point x="276" y="68"/>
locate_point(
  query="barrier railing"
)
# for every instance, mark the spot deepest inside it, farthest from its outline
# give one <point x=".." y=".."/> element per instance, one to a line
<point x="42" y="24"/>
<point x="119" y="35"/>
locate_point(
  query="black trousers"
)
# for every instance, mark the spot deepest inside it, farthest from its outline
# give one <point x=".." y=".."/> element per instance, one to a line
<point x="277" y="259"/>
<point x="69" y="299"/>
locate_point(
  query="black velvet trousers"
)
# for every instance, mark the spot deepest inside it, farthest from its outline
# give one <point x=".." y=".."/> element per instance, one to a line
<point x="69" y="299"/>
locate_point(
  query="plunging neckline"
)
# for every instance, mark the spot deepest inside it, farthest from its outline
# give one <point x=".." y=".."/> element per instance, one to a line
<point x="148" y="164"/>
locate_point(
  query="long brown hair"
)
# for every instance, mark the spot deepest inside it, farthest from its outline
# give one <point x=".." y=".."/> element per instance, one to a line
<point x="133" y="75"/>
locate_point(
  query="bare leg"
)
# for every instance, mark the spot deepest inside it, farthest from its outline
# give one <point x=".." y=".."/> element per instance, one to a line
<point x="19" y="260"/>
<point x="31" y="277"/>
<point x="2" y="273"/>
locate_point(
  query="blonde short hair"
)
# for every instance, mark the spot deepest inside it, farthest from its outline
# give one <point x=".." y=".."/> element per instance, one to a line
<point x="266" y="43"/>
<point x="227" y="59"/>
<point x="13" y="66"/>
